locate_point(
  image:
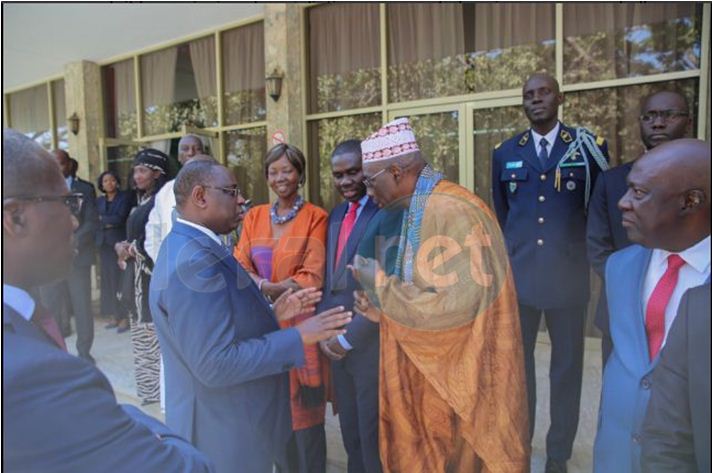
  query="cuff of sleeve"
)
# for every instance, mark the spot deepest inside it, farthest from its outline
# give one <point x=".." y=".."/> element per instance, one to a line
<point x="344" y="343"/>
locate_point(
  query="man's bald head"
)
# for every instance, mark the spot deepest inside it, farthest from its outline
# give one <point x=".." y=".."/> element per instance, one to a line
<point x="667" y="204"/>
<point x="25" y="165"/>
<point x="543" y="77"/>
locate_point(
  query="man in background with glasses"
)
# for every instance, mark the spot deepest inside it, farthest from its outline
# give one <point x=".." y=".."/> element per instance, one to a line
<point x="75" y="291"/>
<point x="664" y="116"/>
<point x="61" y="413"/>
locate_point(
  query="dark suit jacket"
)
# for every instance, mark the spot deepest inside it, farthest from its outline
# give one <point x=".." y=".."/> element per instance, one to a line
<point x="676" y="431"/>
<point x="544" y="229"/>
<point x="60" y="415"/>
<point x="226" y="360"/>
<point x="111" y="227"/>
<point x="339" y="283"/>
<point x="85" y="233"/>
<point x="604" y="231"/>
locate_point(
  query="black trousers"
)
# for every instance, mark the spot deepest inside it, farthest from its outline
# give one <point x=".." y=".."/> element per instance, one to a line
<point x="356" y="386"/>
<point x="306" y="452"/>
<point x="111" y="284"/>
<point x="76" y="290"/>
<point x="566" y="331"/>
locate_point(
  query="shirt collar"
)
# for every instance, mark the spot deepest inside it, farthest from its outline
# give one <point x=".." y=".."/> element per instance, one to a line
<point x="19" y="300"/>
<point x="203" y="229"/>
<point x="550" y="137"/>
<point x="69" y="180"/>
<point x="361" y="202"/>
<point x="697" y="256"/>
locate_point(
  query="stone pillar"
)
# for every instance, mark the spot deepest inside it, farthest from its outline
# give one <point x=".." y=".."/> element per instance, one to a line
<point x="82" y="83"/>
<point x="283" y="50"/>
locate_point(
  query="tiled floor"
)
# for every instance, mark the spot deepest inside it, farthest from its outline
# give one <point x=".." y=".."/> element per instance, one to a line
<point x="113" y="354"/>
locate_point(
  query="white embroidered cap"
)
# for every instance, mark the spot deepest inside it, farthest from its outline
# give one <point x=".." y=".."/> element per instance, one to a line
<point x="393" y="139"/>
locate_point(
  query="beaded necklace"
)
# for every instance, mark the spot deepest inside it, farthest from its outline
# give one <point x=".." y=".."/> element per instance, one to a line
<point x="280" y="219"/>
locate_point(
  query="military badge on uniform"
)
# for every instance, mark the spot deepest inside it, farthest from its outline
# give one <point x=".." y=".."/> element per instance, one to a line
<point x="571" y="185"/>
<point x="514" y="164"/>
<point x="523" y="140"/>
<point x="566" y="136"/>
<point x="512" y="187"/>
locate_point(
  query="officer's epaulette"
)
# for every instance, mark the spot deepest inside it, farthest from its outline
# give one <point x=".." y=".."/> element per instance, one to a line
<point x="523" y="140"/>
<point x="565" y="136"/>
<point x="498" y="145"/>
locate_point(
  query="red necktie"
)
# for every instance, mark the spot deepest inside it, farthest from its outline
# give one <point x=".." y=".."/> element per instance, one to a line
<point x="346" y="226"/>
<point x="45" y="321"/>
<point x="659" y="299"/>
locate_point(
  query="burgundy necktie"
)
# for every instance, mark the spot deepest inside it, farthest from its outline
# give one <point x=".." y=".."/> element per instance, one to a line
<point x="45" y="321"/>
<point x="346" y="226"/>
<point x="659" y="299"/>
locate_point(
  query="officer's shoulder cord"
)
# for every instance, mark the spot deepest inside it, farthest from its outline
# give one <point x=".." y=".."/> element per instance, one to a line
<point x="584" y="140"/>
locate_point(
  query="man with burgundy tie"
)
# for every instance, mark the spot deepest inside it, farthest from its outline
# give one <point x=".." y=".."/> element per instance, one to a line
<point x="60" y="411"/>
<point x="666" y="211"/>
<point x="354" y="355"/>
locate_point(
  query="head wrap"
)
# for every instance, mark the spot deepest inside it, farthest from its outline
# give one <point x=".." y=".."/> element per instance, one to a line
<point x="393" y="139"/>
<point x="152" y="159"/>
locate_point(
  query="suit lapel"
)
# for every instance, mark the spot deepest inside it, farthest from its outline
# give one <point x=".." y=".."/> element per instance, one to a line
<point x="356" y="233"/>
<point x="20" y="326"/>
<point x="635" y="282"/>
<point x="558" y="150"/>
<point x="332" y="240"/>
<point x="527" y="152"/>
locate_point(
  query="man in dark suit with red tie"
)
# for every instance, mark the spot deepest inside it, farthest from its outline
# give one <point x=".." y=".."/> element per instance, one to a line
<point x="60" y="411"/>
<point x="354" y="355"/>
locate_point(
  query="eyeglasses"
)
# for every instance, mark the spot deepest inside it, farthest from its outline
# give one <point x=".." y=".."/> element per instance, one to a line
<point x="665" y="115"/>
<point x="72" y="201"/>
<point x="232" y="191"/>
<point x="371" y="181"/>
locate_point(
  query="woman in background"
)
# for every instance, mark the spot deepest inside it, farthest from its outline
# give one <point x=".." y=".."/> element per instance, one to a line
<point x="113" y="209"/>
<point x="149" y="175"/>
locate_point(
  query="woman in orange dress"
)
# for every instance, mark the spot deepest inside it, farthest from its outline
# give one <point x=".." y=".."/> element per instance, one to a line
<point x="283" y="246"/>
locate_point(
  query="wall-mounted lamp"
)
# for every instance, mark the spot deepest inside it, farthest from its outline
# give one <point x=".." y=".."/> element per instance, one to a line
<point x="273" y="83"/>
<point x="73" y="123"/>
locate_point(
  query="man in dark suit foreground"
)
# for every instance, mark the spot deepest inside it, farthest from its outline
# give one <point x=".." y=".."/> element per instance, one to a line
<point x="355" y="355"/>
<point x="676" y="430"/>
<point x="226" y="360"/>
<point x="60" y="411"/>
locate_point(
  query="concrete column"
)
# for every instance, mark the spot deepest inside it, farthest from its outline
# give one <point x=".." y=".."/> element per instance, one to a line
<point x="83" y="96"/>
<point x="284" y="50"/>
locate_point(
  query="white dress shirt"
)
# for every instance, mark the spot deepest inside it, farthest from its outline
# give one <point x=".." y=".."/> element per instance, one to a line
<point x="693" y="273"/>
<point x="160" y="220"/>
<point x="19" y="300"/>
<point x="550" y="139"/>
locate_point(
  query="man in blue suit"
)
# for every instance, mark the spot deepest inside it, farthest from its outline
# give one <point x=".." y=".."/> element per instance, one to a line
<point x="60" y="414"/>
<point x="541" y="180"/>
<point x="664" y="116"/>
<point x="666" y="211"/>
<point x="226" y="360"/>
<point x="354" y="355"/>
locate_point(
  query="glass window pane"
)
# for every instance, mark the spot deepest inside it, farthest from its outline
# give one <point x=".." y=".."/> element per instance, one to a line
<point x="438" y="138"/>
<point x="324" y="135"/>
<point x="29" y="114"/>
<point x="243" y="52"/>
<point x="120" y="100"/>
<point x="491" y="127"/>
<point x="615" y="40"/>
<point x="60" y="114"/>
<point x="179" y="86"/>
<point x="246" y="150"/>
<point x="120" y="160"/>
<point x="613" y="114"/>
<point x="443" y="49"/>
<point x="344" y="57"/>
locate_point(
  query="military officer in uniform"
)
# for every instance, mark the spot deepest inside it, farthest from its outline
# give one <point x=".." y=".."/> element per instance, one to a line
<point x="541" y="181"/>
